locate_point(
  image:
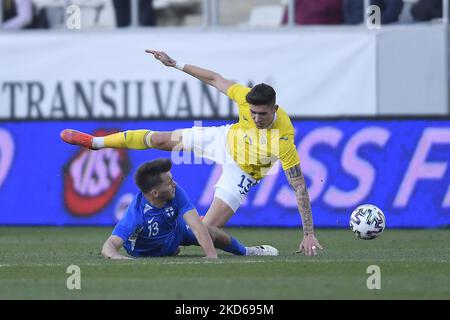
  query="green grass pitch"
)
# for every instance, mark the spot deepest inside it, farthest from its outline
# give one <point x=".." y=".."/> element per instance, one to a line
<point x="414" y="264"/>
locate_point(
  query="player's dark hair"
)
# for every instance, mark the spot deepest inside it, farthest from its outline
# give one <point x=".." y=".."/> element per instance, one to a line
<point x="261" y="94"/>
<point x="148" y="175"/>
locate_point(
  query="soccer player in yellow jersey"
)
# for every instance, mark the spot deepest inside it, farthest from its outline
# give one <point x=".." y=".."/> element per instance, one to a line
<point x="246" y="149"/>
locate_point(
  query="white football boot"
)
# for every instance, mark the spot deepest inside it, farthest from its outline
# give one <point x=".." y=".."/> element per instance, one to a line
<point x="263" y="250"/>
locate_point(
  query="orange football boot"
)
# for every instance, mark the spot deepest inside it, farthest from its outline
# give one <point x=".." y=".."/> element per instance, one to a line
<point x="77" y="138"/>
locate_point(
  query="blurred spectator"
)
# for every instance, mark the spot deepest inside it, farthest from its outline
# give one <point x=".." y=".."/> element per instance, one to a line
<point x="146" y="14"/>
<point x="426" y="10"/>
<point x="17" y="14"/>
<point x="316" y="12"/>
<point x="390" y="10"/>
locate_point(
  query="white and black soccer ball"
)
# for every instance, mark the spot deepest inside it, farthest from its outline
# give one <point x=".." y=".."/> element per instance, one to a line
<point x="367" y="221"/>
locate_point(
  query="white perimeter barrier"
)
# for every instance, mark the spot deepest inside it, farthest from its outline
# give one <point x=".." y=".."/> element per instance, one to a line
<point x="317" y="71"/>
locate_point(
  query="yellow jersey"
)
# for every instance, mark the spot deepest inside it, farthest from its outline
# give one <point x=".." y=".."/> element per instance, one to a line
<point x="256" y="150"/>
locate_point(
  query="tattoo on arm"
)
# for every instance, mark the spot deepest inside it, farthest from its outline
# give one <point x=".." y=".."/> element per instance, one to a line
<point x="294" y="172"/>
<point x="298" y="184"/>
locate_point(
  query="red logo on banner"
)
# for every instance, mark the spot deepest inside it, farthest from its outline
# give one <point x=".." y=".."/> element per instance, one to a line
<point x="92" y="178"/>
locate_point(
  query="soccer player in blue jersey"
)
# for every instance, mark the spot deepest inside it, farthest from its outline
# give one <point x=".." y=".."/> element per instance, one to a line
<point x="161" y="218"/>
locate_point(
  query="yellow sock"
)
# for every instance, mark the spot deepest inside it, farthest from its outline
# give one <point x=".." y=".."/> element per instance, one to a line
<point x="130" y="139"/>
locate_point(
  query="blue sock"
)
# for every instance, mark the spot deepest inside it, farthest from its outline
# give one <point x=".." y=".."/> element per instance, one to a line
<point x="235" y="247"/>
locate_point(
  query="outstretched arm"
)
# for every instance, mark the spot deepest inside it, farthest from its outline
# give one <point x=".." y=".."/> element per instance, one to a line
<point x="111" y="248"/>
<point x="207" y="76"/>
<point x="296" y="180"/>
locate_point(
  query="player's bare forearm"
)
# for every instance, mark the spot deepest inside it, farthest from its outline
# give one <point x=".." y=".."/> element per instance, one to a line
<point x="204" y="75"/>
<point x="111" y="247"/>
<point x="204" y="240"/>
<point x="201" y="233"/>
<point x="207" y="76"/>
<point x="298" y="184"/>
<point x="309" y="244"/>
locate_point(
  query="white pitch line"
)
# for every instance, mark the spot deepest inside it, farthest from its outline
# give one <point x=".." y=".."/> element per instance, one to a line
<point x="200" y="262"/>
<point x="140" y="263"/>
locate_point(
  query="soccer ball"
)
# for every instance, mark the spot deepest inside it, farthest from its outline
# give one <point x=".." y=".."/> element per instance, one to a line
<point x="367" y="221"/>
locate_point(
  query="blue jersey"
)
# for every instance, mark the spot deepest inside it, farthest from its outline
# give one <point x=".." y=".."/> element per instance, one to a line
<point x="150" y="231"/>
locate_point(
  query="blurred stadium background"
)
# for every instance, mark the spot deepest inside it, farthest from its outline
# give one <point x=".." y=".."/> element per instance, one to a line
<point x="369" y="104"/>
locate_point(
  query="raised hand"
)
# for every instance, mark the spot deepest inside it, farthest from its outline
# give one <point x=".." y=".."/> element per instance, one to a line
<point x="163" y="57"/>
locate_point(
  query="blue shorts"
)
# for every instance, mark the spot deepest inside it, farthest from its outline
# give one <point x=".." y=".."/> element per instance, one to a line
<point x="187" y="236"/>
<point x="168" y="246"/>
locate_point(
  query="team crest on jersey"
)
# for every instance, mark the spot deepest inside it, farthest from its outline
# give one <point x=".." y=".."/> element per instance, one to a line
<point x="169" y="211"/>
<point x="247" y="139"/>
